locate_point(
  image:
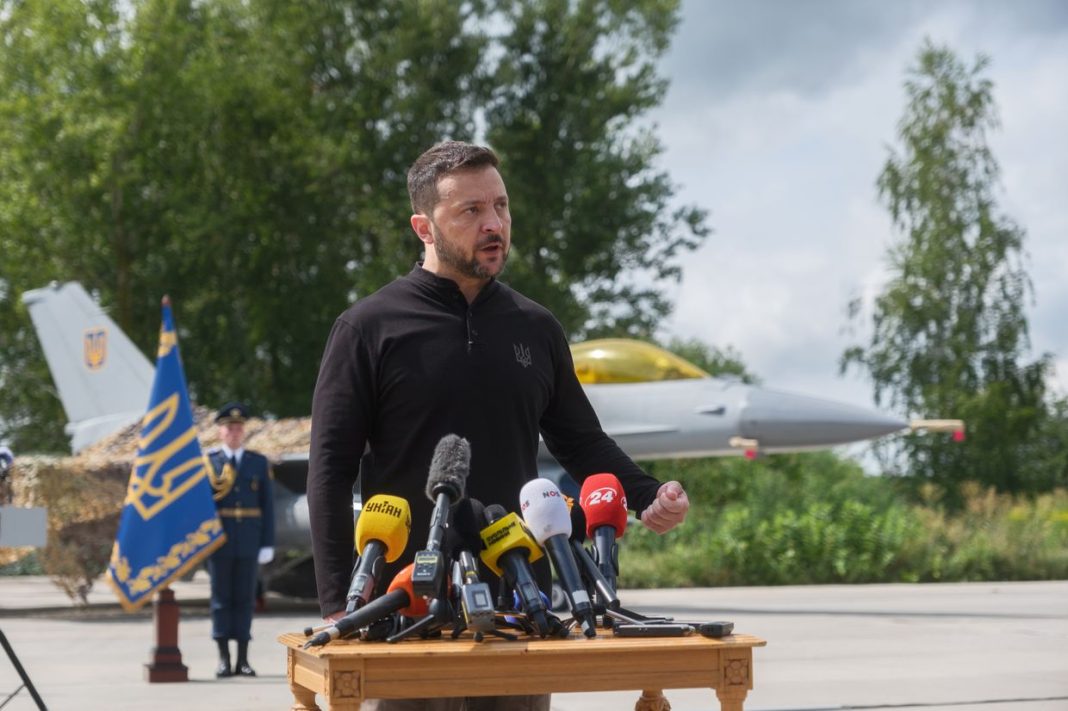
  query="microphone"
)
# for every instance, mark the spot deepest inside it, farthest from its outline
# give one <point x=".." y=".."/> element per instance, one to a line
<point x="449" y="468"/>
<point x="381" y="535"/>
<point x="549" y="521"/>
<point x="472" y="596"/>
<point x="402" y="581"/>
<point x="509" y="551"/>
<point x="605" y="506"/>
<point x="465" y="522"/>
<point x="476" y="600"/>
<point x="399" y="598"/>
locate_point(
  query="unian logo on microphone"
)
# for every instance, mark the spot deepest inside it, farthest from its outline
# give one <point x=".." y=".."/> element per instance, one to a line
<point x="604" y="495"/>
<point x="384" y="507"/>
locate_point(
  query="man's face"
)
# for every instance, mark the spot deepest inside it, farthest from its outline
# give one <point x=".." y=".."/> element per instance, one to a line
<point x="232" y="434"/>
<point x="471" y="227"/>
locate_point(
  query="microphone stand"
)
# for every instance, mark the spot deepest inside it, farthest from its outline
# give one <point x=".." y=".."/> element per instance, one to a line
<point x="472" y="601"/>
<point x="428" y="576"/>
<point x="440" y="611"/>
<point x="606" y="596"/>
<point x="440" y="614"/>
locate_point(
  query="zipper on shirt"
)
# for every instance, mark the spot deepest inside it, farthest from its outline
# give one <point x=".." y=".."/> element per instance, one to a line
<point x="470" y="332"/>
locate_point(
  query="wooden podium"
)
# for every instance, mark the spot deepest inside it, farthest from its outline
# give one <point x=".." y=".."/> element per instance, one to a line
<point x="345" y="672"/>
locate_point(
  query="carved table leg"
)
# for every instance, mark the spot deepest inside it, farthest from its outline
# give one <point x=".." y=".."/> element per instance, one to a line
<point x="303" y="699"/>
<point x="736" y="679"/>
<point x="652" y="700"/>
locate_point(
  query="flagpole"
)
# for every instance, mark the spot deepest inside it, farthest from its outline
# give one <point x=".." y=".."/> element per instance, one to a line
<point x="166" y="664"/>
<point x="169" y="524"/>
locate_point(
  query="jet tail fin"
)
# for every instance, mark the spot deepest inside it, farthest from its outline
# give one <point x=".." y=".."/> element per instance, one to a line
<point x="104" y="381"/>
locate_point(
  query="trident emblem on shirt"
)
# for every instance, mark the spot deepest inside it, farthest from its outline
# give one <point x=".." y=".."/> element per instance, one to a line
<point x="522" y="355"/>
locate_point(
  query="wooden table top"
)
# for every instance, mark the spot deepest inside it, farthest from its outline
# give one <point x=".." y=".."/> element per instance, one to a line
<point x="533" y="646"/>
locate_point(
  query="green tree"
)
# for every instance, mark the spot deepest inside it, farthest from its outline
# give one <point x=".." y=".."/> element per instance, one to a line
<point x="595" y="233"/>
<point x="949" y="333"/>
<point x="246" y="158"/>
<point x="249" y="157"/>
<point x="52" y="196"/>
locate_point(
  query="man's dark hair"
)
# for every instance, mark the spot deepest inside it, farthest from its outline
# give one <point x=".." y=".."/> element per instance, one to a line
<point x="443" y="159"/>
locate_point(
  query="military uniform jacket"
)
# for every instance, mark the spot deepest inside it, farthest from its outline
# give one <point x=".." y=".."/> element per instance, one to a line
<point x="245" y="503"/>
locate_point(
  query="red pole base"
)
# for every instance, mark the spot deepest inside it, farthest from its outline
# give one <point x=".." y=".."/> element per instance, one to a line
<point x="166" y="664"/>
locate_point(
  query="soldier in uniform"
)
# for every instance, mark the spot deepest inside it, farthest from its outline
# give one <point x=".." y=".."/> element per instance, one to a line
<point x="241" y="480"/>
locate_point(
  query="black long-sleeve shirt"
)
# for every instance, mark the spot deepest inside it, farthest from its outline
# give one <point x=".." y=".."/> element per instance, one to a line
<point x="414" y="362"/>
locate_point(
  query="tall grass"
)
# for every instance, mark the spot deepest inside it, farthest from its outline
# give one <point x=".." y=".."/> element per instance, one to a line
<point x="816" y="518"/>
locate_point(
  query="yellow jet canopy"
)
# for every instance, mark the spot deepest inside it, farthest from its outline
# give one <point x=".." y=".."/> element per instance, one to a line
<point x="621" y="360"/>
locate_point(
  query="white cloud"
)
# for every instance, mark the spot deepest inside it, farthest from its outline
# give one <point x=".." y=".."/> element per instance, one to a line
<point x="787" y="165"/>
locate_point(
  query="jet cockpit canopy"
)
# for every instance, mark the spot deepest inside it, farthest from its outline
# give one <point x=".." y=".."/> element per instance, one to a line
<point x="621" y="360"/>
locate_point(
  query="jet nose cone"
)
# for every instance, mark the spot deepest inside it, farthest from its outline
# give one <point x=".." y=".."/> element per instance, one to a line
<point x="782" y="419"/>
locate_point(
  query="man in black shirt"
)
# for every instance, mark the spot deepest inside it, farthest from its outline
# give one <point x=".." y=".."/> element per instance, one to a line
<point x="449" y="349"/>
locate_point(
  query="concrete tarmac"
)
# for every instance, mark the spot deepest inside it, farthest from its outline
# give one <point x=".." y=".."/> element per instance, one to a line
<point x="948" y="647"/>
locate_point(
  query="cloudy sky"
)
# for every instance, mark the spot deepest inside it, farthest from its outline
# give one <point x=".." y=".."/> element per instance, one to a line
<point x="778" y="120"/>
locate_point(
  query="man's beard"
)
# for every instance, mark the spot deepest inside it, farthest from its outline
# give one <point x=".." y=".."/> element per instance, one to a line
<point x="452" y="256"/>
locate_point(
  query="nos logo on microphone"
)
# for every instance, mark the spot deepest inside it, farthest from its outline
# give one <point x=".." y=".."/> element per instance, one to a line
<point x="547" y="494"/>
<point x="604" y="495"/>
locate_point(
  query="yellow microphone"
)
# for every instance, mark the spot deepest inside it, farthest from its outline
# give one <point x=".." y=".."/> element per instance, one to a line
<point x="381" y="537"/>
<point x="504" y="535"/>
<point x="510" y="549"/>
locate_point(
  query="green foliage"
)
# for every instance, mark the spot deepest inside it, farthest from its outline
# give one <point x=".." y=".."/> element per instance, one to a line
<point x="249" y="159"/>
<point x="29" y="564"/>
<point x="802" y="518"/>
<point x="588" y="204"/>
<point x="49" y="193"/>
<point x="949" y="332"/>
<point x="815" y="518"/>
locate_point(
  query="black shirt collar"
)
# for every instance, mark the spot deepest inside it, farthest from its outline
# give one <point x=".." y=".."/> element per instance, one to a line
<point x="446" y="289"/>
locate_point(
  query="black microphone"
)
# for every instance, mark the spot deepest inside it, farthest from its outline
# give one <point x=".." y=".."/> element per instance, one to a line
<point x="474" y="600"/>
<point x="449" y="469"/>
<point x="399" y="596"/>
<point x="510" y="549"/>
<point x="465" y="522"/>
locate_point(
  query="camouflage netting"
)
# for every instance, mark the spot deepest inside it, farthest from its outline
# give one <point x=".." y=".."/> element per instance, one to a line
<point x="84" y="494"/>
<point x="274" y="438"/>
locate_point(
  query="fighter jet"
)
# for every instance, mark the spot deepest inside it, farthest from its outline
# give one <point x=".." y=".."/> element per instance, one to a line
<point x="655" y="404"/>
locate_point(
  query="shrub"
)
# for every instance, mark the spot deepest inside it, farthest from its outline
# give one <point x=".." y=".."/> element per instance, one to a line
<point x="815" y="518"/>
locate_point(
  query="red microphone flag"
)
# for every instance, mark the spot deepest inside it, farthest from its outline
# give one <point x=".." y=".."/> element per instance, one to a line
<point x="603" y="502"/>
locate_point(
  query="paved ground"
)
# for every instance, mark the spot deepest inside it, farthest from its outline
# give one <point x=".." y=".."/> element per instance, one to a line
<point x="957" y="647"/>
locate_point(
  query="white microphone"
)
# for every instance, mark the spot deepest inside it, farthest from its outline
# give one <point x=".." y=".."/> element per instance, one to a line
<point x="549" y="520"/>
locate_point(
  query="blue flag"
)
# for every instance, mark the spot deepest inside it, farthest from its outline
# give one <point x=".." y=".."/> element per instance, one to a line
<point x="168" y="523"/>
